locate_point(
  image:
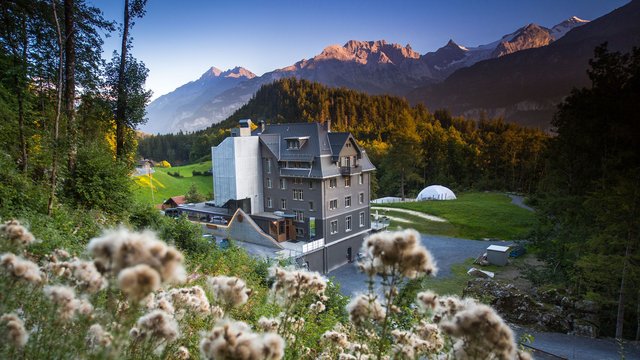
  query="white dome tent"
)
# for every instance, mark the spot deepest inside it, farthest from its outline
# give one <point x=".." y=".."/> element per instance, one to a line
<point x="436" y="192"/>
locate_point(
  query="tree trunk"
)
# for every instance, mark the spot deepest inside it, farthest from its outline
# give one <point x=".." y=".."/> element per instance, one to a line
<point x="122" y="99"/>
<point x="56" y="124"/>
<point x="402" y="184"/>
<point x="70" y="85"/>
<point x="20" y="88"/>
<point x="620" y="313"/>
<point x="638" y="319"/>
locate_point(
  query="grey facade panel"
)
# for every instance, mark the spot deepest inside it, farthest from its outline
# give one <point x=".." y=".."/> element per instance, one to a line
<point x="337" y="255"/>
<point x="314" y="261"/>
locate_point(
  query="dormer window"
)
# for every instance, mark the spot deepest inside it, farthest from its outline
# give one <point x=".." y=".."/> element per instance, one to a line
<point x="296" y="143"/>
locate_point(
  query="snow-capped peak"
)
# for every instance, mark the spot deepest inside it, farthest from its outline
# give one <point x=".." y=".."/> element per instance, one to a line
<point x="562" y="28"/>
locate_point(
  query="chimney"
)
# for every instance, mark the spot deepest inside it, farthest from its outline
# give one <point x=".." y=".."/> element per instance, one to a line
<point x="262" y="125"/>
<point x="327" y="123"/>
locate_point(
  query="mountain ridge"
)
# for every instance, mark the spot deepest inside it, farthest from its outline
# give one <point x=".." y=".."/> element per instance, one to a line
<point x="374" y="67"/>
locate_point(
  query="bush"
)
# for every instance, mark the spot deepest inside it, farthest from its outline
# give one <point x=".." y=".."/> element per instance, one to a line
<point x="100" y="181"/>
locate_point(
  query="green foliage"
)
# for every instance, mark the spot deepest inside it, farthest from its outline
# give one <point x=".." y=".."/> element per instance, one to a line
<point x="473" y="216"/>
<point x="193" y="196"/>
<point x="100" y="181"/>
<point x="165" y="186"/>
<point x="460" y="153"/>
<point x="185" y="235"/>
<point x="589" y="203"/>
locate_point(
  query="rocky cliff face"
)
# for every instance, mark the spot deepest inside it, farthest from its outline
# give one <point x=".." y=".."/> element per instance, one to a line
<point x="529" y="37"/>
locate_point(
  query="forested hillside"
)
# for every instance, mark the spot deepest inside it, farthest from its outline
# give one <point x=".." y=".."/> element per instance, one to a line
<point x="404" y="142"/>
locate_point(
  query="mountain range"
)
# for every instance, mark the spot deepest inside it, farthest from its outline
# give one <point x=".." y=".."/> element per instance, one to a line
<point x="461" y="79"/>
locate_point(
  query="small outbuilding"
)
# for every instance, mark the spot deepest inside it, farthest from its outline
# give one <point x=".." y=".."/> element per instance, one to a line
<point x="436" y="192"/>
<point x="173" y="202"/>
<point x="498" y="255"/>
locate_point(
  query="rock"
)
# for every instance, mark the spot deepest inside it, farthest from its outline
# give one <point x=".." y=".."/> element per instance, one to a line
<point x="587" y="306"/>
<point x="582" y="327"/>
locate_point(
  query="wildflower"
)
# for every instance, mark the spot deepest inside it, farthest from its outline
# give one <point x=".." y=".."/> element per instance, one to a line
<point x="317" y="307"/>
<point x="292" y="285"/>
<point x="138" y="281"/>
<point x="65" y="299"/>
<point x="183" y="353"/>
<point x="344" y="356"/>
<point x="160" y="302"/>
<point x="21" y="268"/>
<point x="61" y="253"/>
<point x="216" y="312"/>
<point x="16" y="233"/>
<point x="363" y="308"/>
<point x="337" y="338"/>
<point x="427" y="300"/>
<point x="97" y="337"/>
<point x="431" y="334"/>
<point x="17" y="335"/>
<point x="121" y="249"/>
<point x="268" y="324"/>
<point x="399" y="251"/>
<point x="449" y="306"/>
<point x="156" y="325"/>
<point x="229" y="291"/>
<point x="87" y="276"/>
<point x="235" y="340"/>
<point x="480" y="332"/>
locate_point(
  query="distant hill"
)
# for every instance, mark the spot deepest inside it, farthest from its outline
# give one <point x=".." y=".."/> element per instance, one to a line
<point x="174" y="111"/>
<point x="526" y="86"/>
<point x="374" y="67"/>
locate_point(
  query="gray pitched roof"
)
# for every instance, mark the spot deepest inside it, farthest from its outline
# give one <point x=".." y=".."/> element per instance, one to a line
<point x="321" y="148"/>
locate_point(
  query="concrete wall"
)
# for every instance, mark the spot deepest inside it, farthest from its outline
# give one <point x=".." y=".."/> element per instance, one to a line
<point x="336" y="253"/>
<point x="315" y="260"/>
<point x="236" y="171"/>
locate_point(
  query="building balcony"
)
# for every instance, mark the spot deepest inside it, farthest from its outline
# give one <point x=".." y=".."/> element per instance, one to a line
<point x="349" y="170"/>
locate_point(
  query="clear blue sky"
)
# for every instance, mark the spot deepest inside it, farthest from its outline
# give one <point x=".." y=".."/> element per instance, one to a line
<point x="180" y="39"/>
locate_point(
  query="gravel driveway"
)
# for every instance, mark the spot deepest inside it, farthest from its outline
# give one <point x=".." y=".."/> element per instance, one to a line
<point x="446" y="250"/>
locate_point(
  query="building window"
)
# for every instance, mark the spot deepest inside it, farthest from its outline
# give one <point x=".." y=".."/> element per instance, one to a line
<point x="283" y="183"/>
<point x="347" y="223"/>
<point x="334" y="226"/>
<point x="268" y="165"/>
<point x="310" y="184"/>
<point x="269" y="203"/>
<point x="360" y="179"/>
<point x="299" y="215"/>
<point x="361" y="198"/>
<point x="293" y="144"/>
<point x="300" y="232"/>
<point x="311" y="206"/>
<point x="333" y="204"/>
<point x="333" y="183"/>
<point x="347" y="201"/>
<point x="298" y="194"/>
<point x="269" y="185"/>
<point x="362" y="219"/>
<point x="297" y="181"/>
<point x="283" y="204"/>
<point x="347" y="181"/>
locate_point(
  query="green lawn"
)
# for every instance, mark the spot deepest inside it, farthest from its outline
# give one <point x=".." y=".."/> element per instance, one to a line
<point x="166" y="186"/>
<point x="473" y="215"/>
